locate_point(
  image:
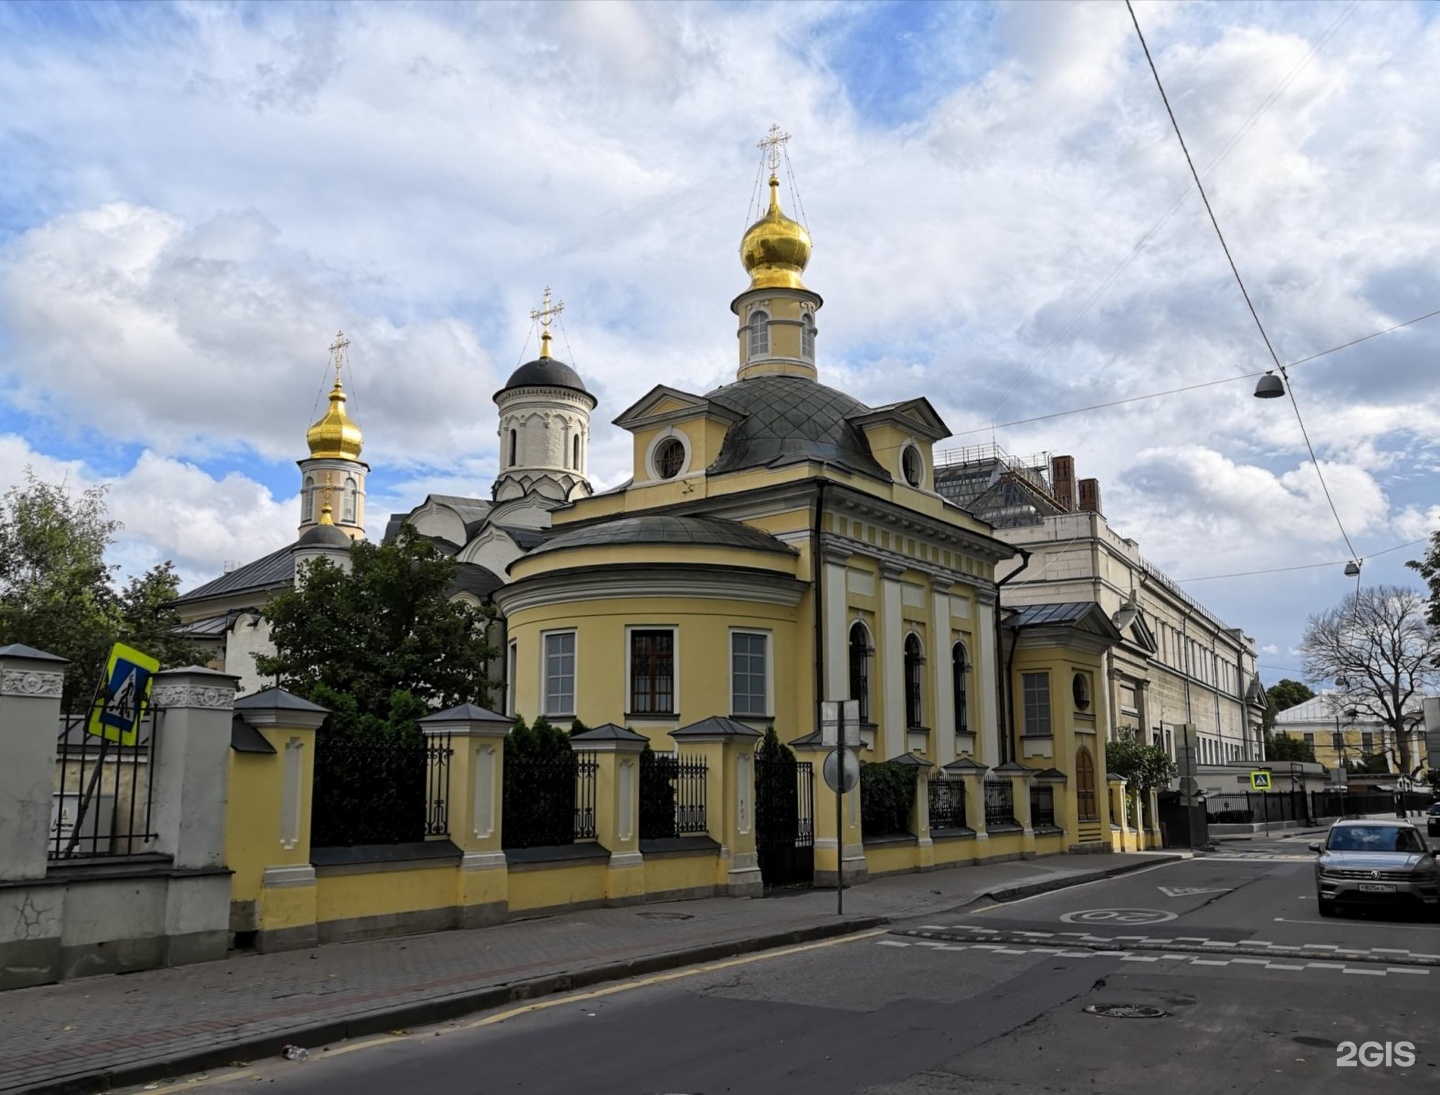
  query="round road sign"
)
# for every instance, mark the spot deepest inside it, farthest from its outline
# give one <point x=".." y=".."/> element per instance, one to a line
<point x="831" y="771"/>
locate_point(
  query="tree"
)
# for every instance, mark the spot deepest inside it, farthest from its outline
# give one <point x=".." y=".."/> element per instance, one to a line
<point x="1145" y="768"/>
<point x="57" y="592"/>
<point x="1282" y="696"/>
<point x="1380" y="649"/>
<point x="383" y="634"/>
<point x="1284" y="747"/>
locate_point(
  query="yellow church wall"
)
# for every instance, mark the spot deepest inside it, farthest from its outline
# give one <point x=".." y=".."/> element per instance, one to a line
<point x="252" y="822"/>
<point x="650" y="555"/>
<point x="901" y="857"/>
<point x="1006" y="846"/>
<point x="355" y="902"/>
<point x="674" y="876"/>
<point x="953" y="850"/>
<point x="551" y="886"/>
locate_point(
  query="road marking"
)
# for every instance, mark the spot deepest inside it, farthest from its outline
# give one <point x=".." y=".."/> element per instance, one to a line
<point x="1404" y="969"/>
<point x="1119" y="916"/>
<point x="892" y="943"/>
<point x="1209" y="962"/>
<point x="1366" y="973"/>
<point x="1189" y="891"/>
<point x="1141" y="958"/>
<point x="1283" y="966"/>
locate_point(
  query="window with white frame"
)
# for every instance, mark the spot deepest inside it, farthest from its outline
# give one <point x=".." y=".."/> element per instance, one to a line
<point x="759" y="333"/>
<point x="559" y="669"/>
<point x="807" y="335"/>
<point x="749" y="673"/>
<point x="351" y="497"/>
<point x="960" y="675"/>
<point x="914" y="662"/>
<point x="512" y="660"/>
<point x="1035" y="690"/>
<point x="860" y="651"/>
<point x="652" y="672"/>
<point x="307" y="500"/>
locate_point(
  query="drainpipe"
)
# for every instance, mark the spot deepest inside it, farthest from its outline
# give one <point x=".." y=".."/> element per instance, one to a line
<point x="1009" y="748"/>
<point x="817" y="571"/>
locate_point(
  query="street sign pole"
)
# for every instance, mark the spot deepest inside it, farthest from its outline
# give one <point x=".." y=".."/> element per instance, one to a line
<point x="840" y="752"/>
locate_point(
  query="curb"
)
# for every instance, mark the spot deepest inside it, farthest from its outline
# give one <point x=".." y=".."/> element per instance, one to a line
<point x="436" y="1010"/>
<point x="1030" y="889"/>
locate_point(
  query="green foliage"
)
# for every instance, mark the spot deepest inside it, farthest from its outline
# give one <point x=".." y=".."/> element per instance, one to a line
<point x="1145" y="767"/>
<point x="657" y="794"/>
<point x="538" y="800"/>
<point x="1282" y="696"/>
<point x="385" y="634"/>
<point x="1285" y="747"/>
<point x="777" y="793"/>
<point x="1368" y="766"/>
<point x="58" y="594"/>
<point x="773" y="749"/>
<point x="887" y="796"/>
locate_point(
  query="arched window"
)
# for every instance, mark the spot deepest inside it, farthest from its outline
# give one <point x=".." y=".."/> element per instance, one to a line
<point x="860" y="669"/>
<point x="960" y="675"/>
<point x="352" y="494"/>
<point x="1085" y="786"/>
<point x="669" y="457"/>
<point x="913" y="662"/>
<point x="807" y="336"/>
<point x="307" y="500"/>
<point x="759" y="334"/>
<point x="575" y="452"/>
<point x="911" y="466"/>
<point x="514" y="447"/>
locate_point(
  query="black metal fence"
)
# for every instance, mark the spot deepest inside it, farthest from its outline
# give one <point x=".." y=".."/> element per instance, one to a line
<point x="380" y="792"/>
<point x="103" y="791"/>
<point x="1256" y="807"/>
<point x="947" y="804"/>
<point x="784" y="820"/>
<point x="548" y="801"/>
<point x="1000" y="805"/>
<point x="1042" y="806"/>
<point x="672" y="795"/>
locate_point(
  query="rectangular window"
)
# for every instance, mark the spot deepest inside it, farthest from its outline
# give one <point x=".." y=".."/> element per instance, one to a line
<point x="652" y="672"/>
<point x="748" y="673"/>
<point x="560" y="673"/>
<point x="1036" y="692"/>
<point x="1367" y="742"/>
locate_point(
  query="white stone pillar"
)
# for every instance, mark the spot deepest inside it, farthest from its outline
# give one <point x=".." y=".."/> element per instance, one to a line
<point x="942" y="683"/>
<point x="837" y="634"/>
<point x="987" y="674"/>
<point x="891" y="641"/>
<point x="189" y="777"/>
<point x="30" y="685"/>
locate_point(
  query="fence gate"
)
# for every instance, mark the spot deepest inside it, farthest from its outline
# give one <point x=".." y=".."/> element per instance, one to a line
<point x="785" y="821"/>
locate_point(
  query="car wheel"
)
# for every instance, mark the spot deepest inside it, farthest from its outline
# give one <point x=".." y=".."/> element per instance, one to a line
<point x="1328" y="908"/>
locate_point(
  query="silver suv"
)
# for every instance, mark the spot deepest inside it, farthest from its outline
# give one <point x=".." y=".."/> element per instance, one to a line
<point x="1375" y="862"/>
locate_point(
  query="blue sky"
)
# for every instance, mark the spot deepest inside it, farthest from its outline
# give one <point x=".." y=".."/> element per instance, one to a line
<point x="197" y="196"/>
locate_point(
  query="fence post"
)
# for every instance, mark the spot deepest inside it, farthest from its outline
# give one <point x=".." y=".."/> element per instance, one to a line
<point x="30" y="917"/>
<point x="273" y="892"/>
<point x="848" y="846"/>
<point x="920" y="809"/>
<point x="1020" y="776"/>
<point x="189" y="798"/>
<point x="973" y="773"/>
<point x="728" y="749"/>
<point x="617" y="806"/>
<point x="476" y="793"/>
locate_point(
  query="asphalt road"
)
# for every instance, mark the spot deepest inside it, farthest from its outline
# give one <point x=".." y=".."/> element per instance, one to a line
<point x="1257" y="994"/>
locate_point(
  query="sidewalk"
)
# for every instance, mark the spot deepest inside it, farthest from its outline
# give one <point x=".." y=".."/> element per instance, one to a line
<point x="91" y="1034"/>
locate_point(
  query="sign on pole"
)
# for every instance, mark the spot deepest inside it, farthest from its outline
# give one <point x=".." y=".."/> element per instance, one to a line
<point x="832" y="714"/>
<point x="1260" y="781"/>
<point x="119" y="708"/>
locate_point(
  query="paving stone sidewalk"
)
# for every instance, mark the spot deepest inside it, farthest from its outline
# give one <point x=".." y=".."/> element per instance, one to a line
<point x="96" y="1033"/>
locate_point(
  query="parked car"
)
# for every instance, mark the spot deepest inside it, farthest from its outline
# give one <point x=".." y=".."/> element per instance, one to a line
<point x="1432" y="818"/>
<point x="1375" y="862"/>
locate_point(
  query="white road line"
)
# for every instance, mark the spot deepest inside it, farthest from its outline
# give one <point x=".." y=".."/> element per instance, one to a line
<point x="1078" y="954"/>
<point x="1210" y="962"/>
<point x="1389" y="950"/>
<point x="1140" y="958"/>
<point x="1283" y="966"/>
<point x="1366" y="973"/>
<point x="1007" y="950"/>
<point x="1250" y="961"/>
<point x="892" y="943"/>
<point x="1406" y="969"/>
<point x="1325" y="965"/>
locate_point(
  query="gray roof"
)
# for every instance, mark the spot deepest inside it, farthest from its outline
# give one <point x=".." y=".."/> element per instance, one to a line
<point x="244" y="738"/>
<point x="545" y="372"/>
<point x="789" y="420"/>
<point x="277" y="699"/>
<point x="664" y="529"/>
<point x="208" y="628"/>
<point x="465" y="712"/>
<point x="324" y="536"/>
<point x="716" y="724"/>
<point x="1066" y="612"/>
<point x="20" y="650"/>
<point x="609" y="732"/>
<point x="473" y="578"/>
<point x="267" y="572"/>
<point x="525" y="538"/>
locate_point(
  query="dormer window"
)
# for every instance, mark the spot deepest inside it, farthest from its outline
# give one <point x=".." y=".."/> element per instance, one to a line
<point x="807" y="336"/>
<point x="759" y="334"/>
<point x="669" y="458"/>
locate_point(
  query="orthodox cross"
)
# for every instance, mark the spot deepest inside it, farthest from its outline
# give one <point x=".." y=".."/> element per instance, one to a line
<point x="338" y="349"/>
<point x="772" y="142"/>
<point x="545" y="314"/>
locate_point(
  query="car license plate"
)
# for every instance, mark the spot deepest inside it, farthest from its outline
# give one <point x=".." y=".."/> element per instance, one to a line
<point x="1376" y="887"/>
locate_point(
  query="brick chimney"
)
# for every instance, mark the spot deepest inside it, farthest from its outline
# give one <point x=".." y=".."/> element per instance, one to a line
<point x="1090" y="496"/>
<point x="1062" y="481"/>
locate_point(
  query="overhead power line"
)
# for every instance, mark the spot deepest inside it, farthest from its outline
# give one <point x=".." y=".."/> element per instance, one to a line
<point x="1289" y="387"/>
<point x="1302" y="566"/>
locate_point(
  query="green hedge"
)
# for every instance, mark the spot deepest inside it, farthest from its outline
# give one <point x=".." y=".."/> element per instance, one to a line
<point x="887" y="797"/>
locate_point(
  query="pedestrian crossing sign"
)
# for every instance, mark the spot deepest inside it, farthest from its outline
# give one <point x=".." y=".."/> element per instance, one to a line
<point x="121" y="704"/>
<point x="1259" y="781"/>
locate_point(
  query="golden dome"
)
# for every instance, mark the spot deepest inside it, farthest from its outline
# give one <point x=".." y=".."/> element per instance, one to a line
<point x="775" y="249"/>
<point x="335" y="436"/>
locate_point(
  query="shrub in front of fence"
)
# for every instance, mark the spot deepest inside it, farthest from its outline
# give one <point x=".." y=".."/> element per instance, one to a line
<point x="539" y="799"/>
<point x="887" y="795"/>
<point x="1231" y="817"/>
<point x="657" y="794"/>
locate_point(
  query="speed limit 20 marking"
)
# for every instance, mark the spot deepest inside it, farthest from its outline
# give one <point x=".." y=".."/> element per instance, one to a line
<point x="1127" y="917"/>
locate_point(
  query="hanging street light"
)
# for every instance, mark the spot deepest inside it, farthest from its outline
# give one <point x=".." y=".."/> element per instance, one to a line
<point x="1269" y="387"/>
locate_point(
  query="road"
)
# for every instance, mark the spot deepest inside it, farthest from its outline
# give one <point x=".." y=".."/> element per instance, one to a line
<point x="1256" y="994"/>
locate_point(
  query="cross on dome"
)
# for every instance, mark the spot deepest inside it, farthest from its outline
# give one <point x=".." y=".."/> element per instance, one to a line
<point x="545" y="314"/>
<point x="772" y="142"/>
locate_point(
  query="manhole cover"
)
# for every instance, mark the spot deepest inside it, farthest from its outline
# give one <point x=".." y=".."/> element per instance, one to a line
<point x="1126" y="1011"/>
<point x="666" y="916"/>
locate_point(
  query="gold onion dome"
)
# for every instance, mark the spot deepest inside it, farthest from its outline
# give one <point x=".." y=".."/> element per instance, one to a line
<point x="335" y="436"/>
<point x="775" y="249"/>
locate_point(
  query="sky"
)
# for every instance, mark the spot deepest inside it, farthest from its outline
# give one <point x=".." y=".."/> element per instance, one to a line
<point x="196" y="197"/>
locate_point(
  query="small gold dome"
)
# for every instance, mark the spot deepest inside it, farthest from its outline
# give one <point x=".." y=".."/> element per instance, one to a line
<point x="335" y="435"/>
<point x="775" y="249"/>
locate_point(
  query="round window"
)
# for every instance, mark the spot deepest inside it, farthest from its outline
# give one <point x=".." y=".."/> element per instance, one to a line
<point x="1080" y="686"/>
<point x="669" y="458"/>
<point x="911" y="466"/>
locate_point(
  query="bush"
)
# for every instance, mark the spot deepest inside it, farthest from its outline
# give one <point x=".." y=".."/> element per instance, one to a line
<point x="657" y="795"/>
<point x="538" y="806"/>
<point x="1231" y="817"/>
<point x="887" y="796"/>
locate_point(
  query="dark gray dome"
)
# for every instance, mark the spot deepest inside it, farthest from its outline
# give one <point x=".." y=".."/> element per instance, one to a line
<point x="327" y="536"/>
<point x="545" y="372"/>
<point x="789" y="420"/>
<point x="666" y="529"/>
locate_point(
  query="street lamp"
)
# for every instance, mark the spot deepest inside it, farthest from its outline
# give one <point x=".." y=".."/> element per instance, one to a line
<point x="1270" y="386"/>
